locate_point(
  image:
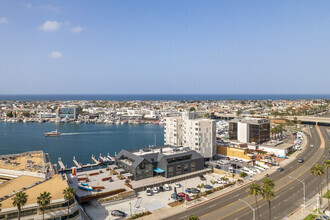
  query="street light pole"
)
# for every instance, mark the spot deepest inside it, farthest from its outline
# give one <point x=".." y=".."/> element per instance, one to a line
<point x="304" y="188"/>
<point x="253" y="210"/>
<point x="130" y="209"/>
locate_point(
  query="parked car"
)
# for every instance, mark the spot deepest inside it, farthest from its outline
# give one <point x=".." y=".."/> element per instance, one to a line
<point x="118" y="213"/>
<point x="155" y="189"/>
<point x="280" y="169"/>
<point x="149" y="192"/>
<point x="177" y="197"/>
<point x="217" y="166"/>
<point x="312" y="145"/>
<point x="182" y="194"/>
<point x="178" y="185"/>
<point x="220" y="181"/>
<point x="300" y="160"/>
<point x="208" y="187"/>
<point x="201" y="177"/>
<point x="195" y="191"/>
<point x="167" y="187"/>
<point x="161" y="189"/>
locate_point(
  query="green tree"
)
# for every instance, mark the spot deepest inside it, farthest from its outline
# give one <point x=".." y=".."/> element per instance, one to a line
<point x="192" y="217"/>
<point x="243" y="175"/>
<point x="10" y="114"/>
<point x="192" y="109"/>
<point x="69" y="193"/>
<point x="327" y="165"/>
<point x="268" y="194"/>
<point x="255" y="190"/>
<point x="43" y="200"/>
<point x="238" y="112"/>
<point x="318" y="170"/>
<point x="19" y="201"/>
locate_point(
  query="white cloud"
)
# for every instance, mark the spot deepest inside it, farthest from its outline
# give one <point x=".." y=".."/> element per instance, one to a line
<point x="55" y="54"/>
<point x="77" y="29"/>
<point x="50" y="26"/>
<point x="3" y="20"/>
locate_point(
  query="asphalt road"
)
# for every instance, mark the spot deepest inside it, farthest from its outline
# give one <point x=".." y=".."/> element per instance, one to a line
<point x="288" y="192"/>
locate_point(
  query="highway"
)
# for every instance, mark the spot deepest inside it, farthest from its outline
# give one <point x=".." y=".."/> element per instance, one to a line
<point x="288" y="191"/>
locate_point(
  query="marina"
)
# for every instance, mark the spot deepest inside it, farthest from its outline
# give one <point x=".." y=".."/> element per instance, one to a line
<point x="81" y="141"/>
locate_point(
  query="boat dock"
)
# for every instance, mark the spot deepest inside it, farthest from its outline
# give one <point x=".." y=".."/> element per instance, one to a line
<point x="96" y="161"/>
<point x="102" y="161"/>
<point x="78" y="165"/>
<point x="61" y="164"/>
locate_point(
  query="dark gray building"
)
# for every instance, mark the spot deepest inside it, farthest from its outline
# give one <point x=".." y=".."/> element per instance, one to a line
<point x="167" y="161"/>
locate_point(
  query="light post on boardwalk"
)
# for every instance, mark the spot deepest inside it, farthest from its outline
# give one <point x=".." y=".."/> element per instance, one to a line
<point x="253" y="210"/>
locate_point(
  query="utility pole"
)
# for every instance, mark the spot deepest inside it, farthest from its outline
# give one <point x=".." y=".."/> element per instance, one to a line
<point x="253" y="210"/>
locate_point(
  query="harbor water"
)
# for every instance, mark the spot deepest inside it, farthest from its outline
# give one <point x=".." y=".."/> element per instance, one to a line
<point x="79" y="140"/>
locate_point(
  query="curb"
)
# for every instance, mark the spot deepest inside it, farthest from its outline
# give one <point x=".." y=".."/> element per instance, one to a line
<point x="220" y="195"/>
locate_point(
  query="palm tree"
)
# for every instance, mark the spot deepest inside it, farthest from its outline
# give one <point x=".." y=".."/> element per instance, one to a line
<point x="69" y="193"/>
<point x="19" y="201"/>
<point x="267" y="182"/>
<point x="43" y="200"/>
<point x="318" y="170"/>
<point x="327" y="165"/>
<point x="255" y="190"/>
<point x="192" y="217"/>
<point x="268" y="194"/>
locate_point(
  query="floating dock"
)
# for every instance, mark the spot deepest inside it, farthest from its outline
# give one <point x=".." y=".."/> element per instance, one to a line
<point x="79" y="166"/>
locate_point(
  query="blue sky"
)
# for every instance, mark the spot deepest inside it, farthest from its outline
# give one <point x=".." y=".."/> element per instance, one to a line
<point x="164" y="47"/>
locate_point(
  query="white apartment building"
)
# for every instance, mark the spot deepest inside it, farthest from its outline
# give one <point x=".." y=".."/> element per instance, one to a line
<point x="173" y="131"/>
<point x="189" y="131"/>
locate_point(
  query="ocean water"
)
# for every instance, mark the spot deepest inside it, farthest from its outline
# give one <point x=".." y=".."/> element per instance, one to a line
<point x="79" y="140"/>
<point x="172" y="97"/>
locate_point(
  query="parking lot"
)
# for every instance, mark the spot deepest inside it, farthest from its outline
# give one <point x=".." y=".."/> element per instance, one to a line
<point x="231" y="166"/>
<point x="157" y="200"/>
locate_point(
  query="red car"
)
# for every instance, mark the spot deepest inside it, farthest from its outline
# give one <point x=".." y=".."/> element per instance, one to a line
<point x="183" y="195"/>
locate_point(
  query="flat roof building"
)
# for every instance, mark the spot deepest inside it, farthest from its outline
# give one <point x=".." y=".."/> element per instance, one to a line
<point x="190" y="131"/>
<point x="31" y="172"/>
<point x="249" y="130"/>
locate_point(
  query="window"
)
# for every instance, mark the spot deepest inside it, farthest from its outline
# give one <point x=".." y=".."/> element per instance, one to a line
<point x="185" y="168"/>
<point x="192" y="166"/>
<point x="170" y="172"/>
<point x="178" y="169"/>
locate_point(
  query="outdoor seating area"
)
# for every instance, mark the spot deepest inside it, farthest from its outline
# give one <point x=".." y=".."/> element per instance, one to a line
<point x="99" y="181"/>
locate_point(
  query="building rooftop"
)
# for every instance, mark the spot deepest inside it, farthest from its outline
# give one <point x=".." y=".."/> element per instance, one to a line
<point x="250" y="120"/>
<point x="54" y="186"/>
<point x="17" y="184"/>
<point x="30" y="161"/>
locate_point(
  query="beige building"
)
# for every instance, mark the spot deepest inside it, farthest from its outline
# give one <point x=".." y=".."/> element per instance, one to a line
<point x="29" y="172"/>
<point x="189" y="131"/>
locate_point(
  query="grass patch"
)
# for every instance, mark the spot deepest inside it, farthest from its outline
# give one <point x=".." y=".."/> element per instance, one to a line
<point x="327" y="195"/>
<point x="310" y="217"/>
<point x="289" y="154"/>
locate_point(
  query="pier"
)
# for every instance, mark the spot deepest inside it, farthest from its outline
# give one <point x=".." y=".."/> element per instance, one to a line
<point x="104" y="160"/>
<point x="61" y="164"/>
<point x="76" y="163"/>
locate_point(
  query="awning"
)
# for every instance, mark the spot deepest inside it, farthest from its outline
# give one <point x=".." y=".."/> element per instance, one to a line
<point x="158" y="170"/>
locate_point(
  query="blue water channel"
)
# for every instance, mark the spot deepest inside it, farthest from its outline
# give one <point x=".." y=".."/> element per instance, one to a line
<point x="79" y="140"/>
